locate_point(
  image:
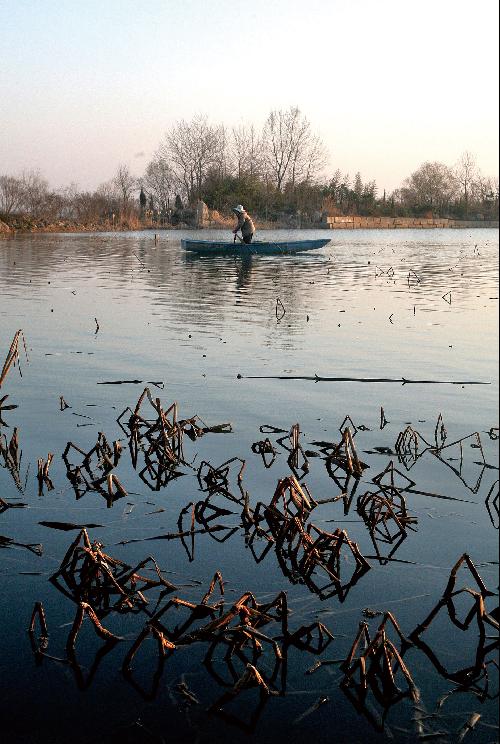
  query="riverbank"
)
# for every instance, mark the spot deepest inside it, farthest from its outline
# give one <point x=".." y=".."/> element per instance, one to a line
<point x="26" y="225"/>
<point x="354" y="222"/>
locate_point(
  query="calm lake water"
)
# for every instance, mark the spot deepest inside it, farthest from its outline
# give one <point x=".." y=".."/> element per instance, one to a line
<point x="419" y="305"/>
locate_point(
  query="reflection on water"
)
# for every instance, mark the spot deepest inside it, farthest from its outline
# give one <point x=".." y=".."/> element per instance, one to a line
<point x="353" y="498"/>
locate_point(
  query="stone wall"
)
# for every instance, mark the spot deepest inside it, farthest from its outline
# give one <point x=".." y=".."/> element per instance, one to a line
<point x="364" y="223"/>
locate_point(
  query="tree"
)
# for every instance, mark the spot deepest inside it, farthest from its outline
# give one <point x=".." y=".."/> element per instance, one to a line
<point x="35" y="190"/>
<point x="245" y="151"/>
<point x="125" y="183"/>
<point x="357" y="189"/>
<point x="143" y="200"/>
<point x="334" y="186"/>
<point x="11" y="194"/>
<point x="292" y="153"/>
<point x="432" y="186"/>
<point x="466" y="172"/>
<point x="158" y="180"/>
<point x="194" y="148"/>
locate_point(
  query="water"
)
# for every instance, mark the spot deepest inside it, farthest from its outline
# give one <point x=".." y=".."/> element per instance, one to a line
<point x="418" y="305"/>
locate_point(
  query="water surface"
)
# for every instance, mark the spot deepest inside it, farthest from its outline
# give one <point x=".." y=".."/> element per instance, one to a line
<point x="419" y="305"/>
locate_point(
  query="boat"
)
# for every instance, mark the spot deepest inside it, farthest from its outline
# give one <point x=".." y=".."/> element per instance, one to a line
<point x="268" y="247"/>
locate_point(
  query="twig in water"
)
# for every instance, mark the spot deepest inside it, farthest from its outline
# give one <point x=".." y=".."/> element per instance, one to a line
<point x="383" y="420"/>
<point x="413" y="274"/>
<point x="280" y="310"/>
<point x="468" y="726"/>
<point x="312" y="709"/>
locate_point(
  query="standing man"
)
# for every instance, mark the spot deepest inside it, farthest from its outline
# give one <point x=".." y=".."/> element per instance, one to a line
<point x="245" y="224"/>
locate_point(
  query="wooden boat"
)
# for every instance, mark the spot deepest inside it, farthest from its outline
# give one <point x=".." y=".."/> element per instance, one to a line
<point x="269" y="247"/>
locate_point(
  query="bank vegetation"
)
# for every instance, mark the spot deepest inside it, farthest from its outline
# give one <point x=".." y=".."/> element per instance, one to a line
<point x="278" y="172"/>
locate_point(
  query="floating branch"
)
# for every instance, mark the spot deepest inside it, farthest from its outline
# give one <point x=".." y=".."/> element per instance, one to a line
<point x="401" y="380"/>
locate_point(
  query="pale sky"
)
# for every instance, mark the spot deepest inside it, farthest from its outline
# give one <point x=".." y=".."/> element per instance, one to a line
<point x="387" y="84"/>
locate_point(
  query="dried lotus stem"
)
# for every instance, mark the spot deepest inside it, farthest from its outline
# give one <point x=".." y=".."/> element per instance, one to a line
<point x="13" y="355"/>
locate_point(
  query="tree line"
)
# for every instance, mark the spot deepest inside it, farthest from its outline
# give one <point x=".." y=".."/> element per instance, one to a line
<point x="277" y="172"/>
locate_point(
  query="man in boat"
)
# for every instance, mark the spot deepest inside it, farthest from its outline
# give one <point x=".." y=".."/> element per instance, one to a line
<point x="245" y="224"/>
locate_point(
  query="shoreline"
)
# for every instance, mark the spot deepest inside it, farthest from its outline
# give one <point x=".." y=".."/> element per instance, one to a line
<point x="343" y="223"/>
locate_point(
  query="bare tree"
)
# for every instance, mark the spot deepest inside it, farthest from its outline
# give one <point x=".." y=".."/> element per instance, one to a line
<point x="11" y="194"/>
<point x="292" y="152"/>
<point x="158" y="180"/>
<point x="194" y="148"/>
<point x="125" y="184"/>
<point x="35" y="191"/>
<point x="246" y="151"/>
<point x="466" y="172"/>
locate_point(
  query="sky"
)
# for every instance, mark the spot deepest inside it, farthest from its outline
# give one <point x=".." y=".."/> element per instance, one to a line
<point x="387" y="85"/>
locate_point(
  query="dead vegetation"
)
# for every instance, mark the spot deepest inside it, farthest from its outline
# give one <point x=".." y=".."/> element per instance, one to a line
<point x="13" y="357"/>
<point x="246" y="641"/>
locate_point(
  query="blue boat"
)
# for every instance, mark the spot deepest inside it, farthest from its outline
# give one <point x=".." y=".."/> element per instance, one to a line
<point x="268" y="247"/>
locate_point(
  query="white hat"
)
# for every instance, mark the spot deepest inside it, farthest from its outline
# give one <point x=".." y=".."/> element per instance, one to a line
<point x="238" y="208"/>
